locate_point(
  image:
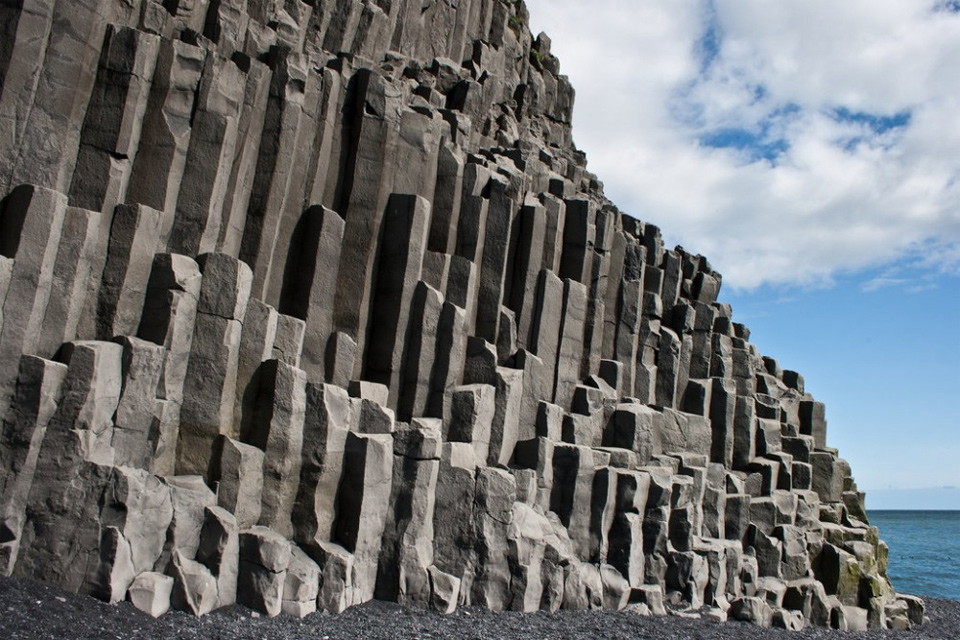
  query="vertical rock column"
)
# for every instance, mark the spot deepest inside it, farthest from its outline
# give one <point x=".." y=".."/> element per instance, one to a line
<point x="278" y="431"/>
<point x="133" y="241"/>
<point x="579" y="235"/>
<point x="168" y="319"/>
<point x="407" y="550"/>
<point x="198" y="218"/>
<point x="449" y="357"/>
<point x="284" y="259"/>
<point x="275" y="164"/>
<point x="71" y="279"/>
<point x="570" y="349"/>
<point x="402" y="245"/>
<point x="31" y="222"/>
<point x="371" y="148"/>
<point x="165" y="136"/>
<point x="256" y="346"/>
<point x="328" y="419"/>
<point x="554" y="209"/>
<point x="453" y="522"/>
<point x="648" y="344"/>
<point x="362" y="505"/>
<point x="418" y="143"/>
<point x="23" y="47"/>
<point x="421" y="351"/>
<point x="61" y="534"/>
<point x="50" y="86"/>
<point x="526" y="269"/>
<point x="629" y="313"/>
<point x="311" y="295"/>
<point x="622" y="242"/>
<point x="256" y="94"/>
<point x="471" y="236"/>
<point x="547" y="323"/>
<point x="493" y="263"/>
<point x="210" y="385"/>
<point x="137" y="420"/>
<point x="38" y="393"/>
<point x="606" y="227"/>
<point x="446" y="200"/>
<point x="111" y="132"/>
<point x="322" y="167"/>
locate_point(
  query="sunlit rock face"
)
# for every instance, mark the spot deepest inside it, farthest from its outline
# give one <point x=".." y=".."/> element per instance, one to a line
<point x="310" y="303"/>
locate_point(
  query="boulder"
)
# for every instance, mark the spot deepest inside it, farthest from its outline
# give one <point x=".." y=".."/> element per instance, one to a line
<point x="264" y="559"/>
<point x="150" y="592"/>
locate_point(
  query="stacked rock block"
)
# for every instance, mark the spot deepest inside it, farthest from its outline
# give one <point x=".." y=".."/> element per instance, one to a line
<point x="306" y="303"/>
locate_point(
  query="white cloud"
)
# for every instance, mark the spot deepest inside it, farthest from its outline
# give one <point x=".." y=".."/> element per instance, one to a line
<point x="820" y="189"/>
<point x="875" y="284"/>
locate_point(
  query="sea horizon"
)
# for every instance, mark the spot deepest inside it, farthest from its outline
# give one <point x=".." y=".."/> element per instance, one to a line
<point x="869" y="511"/>
<point x="921" y="509"/>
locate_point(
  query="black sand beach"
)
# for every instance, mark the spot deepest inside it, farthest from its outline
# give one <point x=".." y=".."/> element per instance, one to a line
<point x="32" y="610"/>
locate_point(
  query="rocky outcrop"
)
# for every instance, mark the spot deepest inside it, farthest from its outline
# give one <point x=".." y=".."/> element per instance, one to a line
<point x="308" y="302"/>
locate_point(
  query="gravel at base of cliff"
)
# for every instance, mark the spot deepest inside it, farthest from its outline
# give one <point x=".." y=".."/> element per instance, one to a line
<point x="32" y="610"/>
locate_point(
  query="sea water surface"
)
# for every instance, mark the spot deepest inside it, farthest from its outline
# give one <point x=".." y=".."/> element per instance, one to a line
<point x="924" y="551"/>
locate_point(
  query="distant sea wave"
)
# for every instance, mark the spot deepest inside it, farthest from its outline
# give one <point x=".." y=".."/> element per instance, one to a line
<point x="924" y="551"/>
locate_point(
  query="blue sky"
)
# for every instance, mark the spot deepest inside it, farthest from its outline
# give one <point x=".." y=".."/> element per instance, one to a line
<point x="812" y="151"/>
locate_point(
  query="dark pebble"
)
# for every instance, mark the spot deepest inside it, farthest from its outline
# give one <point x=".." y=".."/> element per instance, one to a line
<point x="32" y="610"/>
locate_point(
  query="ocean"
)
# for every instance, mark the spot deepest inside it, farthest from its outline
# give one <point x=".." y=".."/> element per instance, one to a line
<point x="924" y="551"/>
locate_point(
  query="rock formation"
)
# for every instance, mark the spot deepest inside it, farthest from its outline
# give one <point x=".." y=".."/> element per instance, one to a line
<point x="310" y="302"/>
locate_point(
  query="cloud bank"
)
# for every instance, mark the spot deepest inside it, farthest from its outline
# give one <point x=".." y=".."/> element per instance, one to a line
<point x="787" y="141"/>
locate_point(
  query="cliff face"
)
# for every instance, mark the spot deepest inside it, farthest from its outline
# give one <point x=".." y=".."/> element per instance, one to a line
<point x="310" y="302"/>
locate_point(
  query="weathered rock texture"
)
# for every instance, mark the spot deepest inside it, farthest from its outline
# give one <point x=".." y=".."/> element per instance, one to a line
<point x="309" y="302"/>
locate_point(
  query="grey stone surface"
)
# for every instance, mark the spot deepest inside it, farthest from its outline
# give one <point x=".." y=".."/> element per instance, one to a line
<point x="421" y="352"/>
<point x="271" y="205"/>
<point x="219" y="550"/>
<point x="327" y="420"/>
<point x="288" y="343"/>
<point x="372" y="137"/>
<point x="570" y="347"/>
<point x="257" y="335"/>
<point x="493" y="260"/>
<point x="206" y="172"/>
<point x="133" y="239"/>
<point x="77" y="253"/>
<point x="169" y="319"/>
<point x="281" y="410"/>
<point x="301" y="585"/>
<point x="150" y="592"/>
<point x="312" y="295"/>
<point x="190" y="497"/>
<point x="194" y="587"/>
<point x="264" y="557"/>
<point x="528" y="258"/>
<point x="403" y="242"/>
<point x="211" y="376"/>
<point x="579" y="234"/>
<point x="362" y="505"/>
<point x="136" y="421"/>
<point x="39" y="385"/>
<point x="470" y="416"/>
<point x="31" y="221"/>
<point x="406" y="554"/>
<point x="244" y="163"/>
<point x="165" y="132"/>
<point x="238" y="471"/>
